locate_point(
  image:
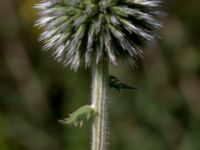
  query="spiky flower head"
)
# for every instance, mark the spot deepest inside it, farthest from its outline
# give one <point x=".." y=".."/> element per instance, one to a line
<point x="86" y="30"/>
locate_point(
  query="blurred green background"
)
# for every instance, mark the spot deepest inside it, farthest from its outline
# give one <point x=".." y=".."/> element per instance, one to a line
<point x="35" y="91"/>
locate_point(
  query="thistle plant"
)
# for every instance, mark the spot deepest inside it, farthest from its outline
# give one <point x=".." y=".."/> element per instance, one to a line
<point x="95" y="33"/>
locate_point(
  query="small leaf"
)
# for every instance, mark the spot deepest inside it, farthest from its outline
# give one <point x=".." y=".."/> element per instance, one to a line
<point x="118" y="85"/>
<point x="79" y="116"/>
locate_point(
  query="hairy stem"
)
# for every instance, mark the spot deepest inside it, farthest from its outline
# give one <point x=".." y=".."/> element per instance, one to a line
<point x="99" y="91"/>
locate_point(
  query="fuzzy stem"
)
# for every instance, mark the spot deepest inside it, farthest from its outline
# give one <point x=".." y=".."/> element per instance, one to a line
<point x="99" y="91"/>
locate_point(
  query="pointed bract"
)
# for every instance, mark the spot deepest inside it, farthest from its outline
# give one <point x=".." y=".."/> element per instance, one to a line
<point x="79" y="116"/>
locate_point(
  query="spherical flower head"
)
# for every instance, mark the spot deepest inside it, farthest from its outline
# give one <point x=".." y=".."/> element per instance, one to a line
<point x="86" y="30"/>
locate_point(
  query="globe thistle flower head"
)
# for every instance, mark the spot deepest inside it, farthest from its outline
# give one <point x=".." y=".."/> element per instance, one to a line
<point x="86" y="30"/>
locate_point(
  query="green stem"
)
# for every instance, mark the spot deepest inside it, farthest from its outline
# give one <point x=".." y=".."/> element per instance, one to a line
<point x="99" y="91"/>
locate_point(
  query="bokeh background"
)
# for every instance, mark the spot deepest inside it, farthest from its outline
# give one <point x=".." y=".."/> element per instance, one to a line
<point x="35" y="91"/>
